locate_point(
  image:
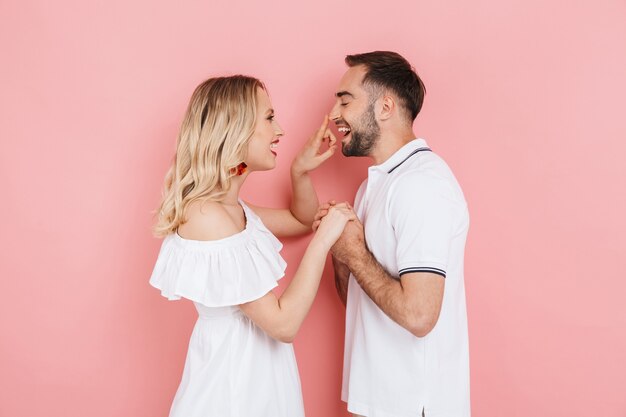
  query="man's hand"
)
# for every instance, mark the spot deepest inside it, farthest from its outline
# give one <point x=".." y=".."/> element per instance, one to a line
<point x="351" y="245"/>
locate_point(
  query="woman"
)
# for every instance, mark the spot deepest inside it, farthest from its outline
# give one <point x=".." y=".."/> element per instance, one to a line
<point x="222" y="254"/>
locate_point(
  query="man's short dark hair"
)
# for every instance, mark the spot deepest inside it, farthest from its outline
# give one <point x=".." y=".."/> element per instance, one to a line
<point x="391" y="71"/>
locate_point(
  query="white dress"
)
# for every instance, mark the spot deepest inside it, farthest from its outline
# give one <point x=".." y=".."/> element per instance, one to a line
<point x="233" y="368"/>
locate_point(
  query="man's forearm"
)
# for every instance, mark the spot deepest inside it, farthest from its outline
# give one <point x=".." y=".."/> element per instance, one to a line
<point x="342" y="275"/>
<point x="382" y="288"/>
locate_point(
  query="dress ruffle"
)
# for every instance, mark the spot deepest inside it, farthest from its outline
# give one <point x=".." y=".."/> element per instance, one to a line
<point x="226" y="272"/>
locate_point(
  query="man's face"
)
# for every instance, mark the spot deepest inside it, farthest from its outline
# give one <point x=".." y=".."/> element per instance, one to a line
<point x="354" y="114"/>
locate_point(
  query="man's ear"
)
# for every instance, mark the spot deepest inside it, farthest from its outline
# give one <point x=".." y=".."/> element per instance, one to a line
<point x="387" y="107"/>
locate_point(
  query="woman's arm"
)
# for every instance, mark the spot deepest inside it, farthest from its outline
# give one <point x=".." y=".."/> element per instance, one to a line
<point x="304" y="201"/>
<point x="281" y="317"/>
<point x="342" y="272"/>
<point x="298" y="218"/>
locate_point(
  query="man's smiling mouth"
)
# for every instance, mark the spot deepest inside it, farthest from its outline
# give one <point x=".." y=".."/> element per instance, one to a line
<point x="344" y="129"/>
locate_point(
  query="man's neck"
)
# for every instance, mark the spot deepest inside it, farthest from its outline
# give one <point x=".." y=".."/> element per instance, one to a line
<point x="389" y="143"/>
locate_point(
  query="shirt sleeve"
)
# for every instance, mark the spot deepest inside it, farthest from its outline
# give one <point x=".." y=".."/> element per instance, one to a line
<point x="359" y="195"/>
<point x="422" y="212"/>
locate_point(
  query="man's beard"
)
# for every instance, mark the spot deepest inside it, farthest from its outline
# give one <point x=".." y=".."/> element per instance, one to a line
<point x="365" y="136"/>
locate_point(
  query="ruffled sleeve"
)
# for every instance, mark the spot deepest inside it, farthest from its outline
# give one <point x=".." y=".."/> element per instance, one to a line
<point x="231" y="271"/>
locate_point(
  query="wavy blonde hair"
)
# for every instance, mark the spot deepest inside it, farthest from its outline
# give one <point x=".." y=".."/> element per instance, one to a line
<point x="213" y="138"/>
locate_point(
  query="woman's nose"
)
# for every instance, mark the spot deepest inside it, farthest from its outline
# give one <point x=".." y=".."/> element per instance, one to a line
<point x="278" y="130"/>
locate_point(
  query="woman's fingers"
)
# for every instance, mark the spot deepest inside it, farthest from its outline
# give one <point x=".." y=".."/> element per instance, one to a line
<point x="319" y="136"/>
<point x="331" y="137"/>
<point x="342" y="210"/>
<point x="345" y="204"/>
<point x="320" y="214"/>
<point x="327" y="154"/>
<point x="347" y="213"/>
<point x="325" y="208"/>
<point x="323" y="133"/>
<point x="333" y="224"/>
<point x="311" y="156"/>
<point x="332" y="147"/>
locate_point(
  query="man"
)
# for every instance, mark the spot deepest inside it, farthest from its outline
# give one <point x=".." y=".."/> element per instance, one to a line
<point x="400" y="271"/>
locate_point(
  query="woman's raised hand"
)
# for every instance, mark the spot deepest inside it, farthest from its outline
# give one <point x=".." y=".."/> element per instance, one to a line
<point x="311" y="155"/>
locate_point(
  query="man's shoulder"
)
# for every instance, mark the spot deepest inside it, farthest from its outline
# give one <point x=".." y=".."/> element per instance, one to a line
<point x="425" y="163"/>
<point x="427" y="168"/>
<point x="417" y="178"/>
<point x="430" y="177"/>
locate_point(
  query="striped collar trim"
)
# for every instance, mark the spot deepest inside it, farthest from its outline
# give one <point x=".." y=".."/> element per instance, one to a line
<point x="401" y="156"/>
<point x="410" y="155"/>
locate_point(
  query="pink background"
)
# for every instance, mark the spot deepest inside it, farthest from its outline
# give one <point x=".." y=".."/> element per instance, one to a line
<point x="525" y="101"/>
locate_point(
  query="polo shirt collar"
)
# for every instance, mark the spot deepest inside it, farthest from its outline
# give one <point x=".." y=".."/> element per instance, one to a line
<point x="401" y="156"/>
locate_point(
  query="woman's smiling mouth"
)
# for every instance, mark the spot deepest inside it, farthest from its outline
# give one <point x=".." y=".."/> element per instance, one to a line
<point x="274" y="145"/>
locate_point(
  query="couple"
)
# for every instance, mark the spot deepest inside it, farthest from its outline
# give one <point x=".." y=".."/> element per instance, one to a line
<point x="398" y="255"/>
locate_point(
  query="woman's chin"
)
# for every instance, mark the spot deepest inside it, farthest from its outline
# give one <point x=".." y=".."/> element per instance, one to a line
<point x="272" y="162"/>
<point x="265" y="167"/>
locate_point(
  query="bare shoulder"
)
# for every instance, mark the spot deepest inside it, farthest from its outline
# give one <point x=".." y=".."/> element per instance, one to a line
<point x="207" y="221"/>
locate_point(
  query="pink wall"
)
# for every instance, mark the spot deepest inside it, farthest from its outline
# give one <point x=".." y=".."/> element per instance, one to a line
<point x="525" y="101"/>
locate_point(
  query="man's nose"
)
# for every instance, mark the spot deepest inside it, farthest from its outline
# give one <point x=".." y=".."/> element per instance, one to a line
<point x="334" y="113"/>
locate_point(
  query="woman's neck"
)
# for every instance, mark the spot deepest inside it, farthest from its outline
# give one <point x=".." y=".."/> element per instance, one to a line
<point x="232" y="196"/>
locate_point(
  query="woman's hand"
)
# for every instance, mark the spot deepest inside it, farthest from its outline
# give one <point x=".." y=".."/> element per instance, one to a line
<point x="310" y="156"/>
<point x="323" y="211"/>
<point x="331" y="225"/>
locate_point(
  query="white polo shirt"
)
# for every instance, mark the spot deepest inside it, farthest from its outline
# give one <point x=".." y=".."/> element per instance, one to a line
<point x="415" y="219"/>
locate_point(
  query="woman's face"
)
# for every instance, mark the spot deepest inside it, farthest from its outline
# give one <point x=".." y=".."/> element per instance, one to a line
<point x="264" y="143"/>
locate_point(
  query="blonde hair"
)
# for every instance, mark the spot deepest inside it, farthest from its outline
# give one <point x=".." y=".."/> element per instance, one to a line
<point x="213" y="139"/>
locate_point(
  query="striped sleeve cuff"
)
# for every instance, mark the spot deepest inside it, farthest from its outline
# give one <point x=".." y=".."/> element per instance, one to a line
<point x="423" y="269"/>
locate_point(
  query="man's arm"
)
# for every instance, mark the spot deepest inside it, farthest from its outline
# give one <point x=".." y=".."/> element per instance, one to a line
<point x="414" y="301"/>
<point x="342" y="274"/>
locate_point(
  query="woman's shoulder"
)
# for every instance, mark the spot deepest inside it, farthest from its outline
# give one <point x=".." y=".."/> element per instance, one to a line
<point x="213" y="263"/>
<point x="207" y="220"/>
